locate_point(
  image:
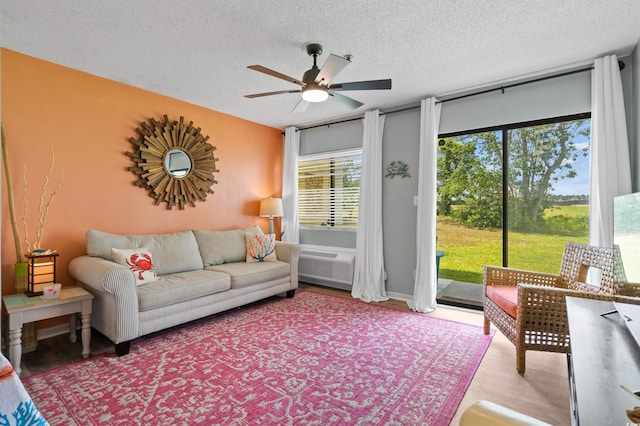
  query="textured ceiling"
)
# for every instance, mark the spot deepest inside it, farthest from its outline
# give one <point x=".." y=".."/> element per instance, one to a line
<point x="198" y="50"/>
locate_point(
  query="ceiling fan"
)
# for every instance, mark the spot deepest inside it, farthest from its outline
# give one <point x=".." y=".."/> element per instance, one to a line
<point x="316" y="82"/>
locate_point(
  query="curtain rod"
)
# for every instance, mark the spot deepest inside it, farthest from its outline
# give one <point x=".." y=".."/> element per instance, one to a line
<point x="502" y="88"/>
<point x="512" y="85"/>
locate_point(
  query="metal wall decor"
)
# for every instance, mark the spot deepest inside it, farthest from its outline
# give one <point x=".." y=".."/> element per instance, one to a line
<point x="174" y="162"/>
<point x="397" y="168"/>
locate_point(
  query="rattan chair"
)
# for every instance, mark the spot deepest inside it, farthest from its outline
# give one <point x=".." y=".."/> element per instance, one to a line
<point x="529" y="307"/>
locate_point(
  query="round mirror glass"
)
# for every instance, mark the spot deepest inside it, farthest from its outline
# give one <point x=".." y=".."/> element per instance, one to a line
<point x="177" y="163"/>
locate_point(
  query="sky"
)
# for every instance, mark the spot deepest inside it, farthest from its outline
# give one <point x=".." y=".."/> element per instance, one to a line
<point x="578" y="185"/>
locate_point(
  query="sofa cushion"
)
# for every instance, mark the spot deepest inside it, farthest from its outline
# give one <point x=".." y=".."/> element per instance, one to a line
<point x="261" y="248"/>
<point x="246" y="274"/>
<point x="139" y="261"/>
<point x="176" y="252"/>
<point x="180" y="287"/>
<point x="218" y="247"/>
<point x="505" y="296"/>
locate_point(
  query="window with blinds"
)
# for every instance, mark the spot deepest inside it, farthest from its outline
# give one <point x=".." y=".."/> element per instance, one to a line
<point x="329" y="189"/>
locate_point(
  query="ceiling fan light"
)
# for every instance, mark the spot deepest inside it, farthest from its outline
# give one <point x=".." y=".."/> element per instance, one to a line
<point x="315" y="95"/>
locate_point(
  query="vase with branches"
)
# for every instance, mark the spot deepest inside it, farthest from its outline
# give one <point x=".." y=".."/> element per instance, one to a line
<point x="29" y="331"/>
<point x="43" y="208"/>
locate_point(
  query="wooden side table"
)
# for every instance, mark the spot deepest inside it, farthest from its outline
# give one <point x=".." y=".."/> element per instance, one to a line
<point x="22" y="309"/>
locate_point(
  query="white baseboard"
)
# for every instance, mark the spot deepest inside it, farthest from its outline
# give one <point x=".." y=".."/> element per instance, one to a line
<point x="399" y="296"/>
<point x="407" y="298"/>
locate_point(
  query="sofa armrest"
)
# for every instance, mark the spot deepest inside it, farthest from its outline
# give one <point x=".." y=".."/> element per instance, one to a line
<point x="113" y="286"/>
<point x="290" y="253"/>
<point x="287" y="252"/>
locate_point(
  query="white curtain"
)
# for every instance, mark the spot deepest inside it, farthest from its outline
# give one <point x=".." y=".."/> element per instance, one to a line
<point x="425" y="286"/>
<point x="610" y="173"/>
<point x="368" y="276"/>
<point x="290" y="229"/>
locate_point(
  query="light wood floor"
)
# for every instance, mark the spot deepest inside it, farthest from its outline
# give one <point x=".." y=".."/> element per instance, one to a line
<point x="542" y="391"/>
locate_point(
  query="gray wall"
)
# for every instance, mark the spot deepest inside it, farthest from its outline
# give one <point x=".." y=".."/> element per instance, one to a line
<point x="555" y="97"/>
<point x="401" y="141"/>
<point x="549" y="98"/>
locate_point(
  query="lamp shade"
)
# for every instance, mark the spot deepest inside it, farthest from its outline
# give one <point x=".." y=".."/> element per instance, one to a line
<point x="271" y="207"/>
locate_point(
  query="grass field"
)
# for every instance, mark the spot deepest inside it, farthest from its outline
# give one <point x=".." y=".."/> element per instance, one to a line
<point x="467" y="250"/>
<point x="572" y="210"/>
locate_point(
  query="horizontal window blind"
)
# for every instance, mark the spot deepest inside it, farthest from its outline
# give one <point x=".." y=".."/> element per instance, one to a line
<point x="329" y="189"/>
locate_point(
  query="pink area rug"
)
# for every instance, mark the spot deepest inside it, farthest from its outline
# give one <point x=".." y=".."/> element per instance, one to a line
<point x="315" y="360"/>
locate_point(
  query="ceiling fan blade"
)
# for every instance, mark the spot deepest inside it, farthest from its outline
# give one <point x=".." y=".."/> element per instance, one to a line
<point x="351" y="103"/>
<point x="331" y="68"/>
<point x="279" y="92"/>
<point x="276" y="74"/>
<point x="363" y="85"/>
<point x="301" y="106"/>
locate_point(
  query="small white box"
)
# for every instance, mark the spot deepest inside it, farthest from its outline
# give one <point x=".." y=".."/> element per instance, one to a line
<point x="51" y="292"/>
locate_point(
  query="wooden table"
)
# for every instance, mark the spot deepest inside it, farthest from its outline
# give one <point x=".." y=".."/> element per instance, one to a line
<point x="603" y="356"/>
<point x="22" y="309"/>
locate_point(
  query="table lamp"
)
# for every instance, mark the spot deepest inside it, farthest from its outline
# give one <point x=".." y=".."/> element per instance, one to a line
<point x="271" y="207"/>
<point x="41" y="271"/>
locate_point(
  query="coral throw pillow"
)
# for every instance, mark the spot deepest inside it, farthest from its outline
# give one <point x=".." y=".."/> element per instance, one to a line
<point x="139" y="261"/>
<point x="261" y="248"/>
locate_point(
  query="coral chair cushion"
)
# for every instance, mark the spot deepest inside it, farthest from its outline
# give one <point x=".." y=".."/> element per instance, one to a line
<point x="505" y="296"/>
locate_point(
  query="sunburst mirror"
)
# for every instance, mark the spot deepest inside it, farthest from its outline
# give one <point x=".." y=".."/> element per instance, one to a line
<point x="174" y="162"/>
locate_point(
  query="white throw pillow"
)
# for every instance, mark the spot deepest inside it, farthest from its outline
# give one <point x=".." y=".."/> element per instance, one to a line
<point x="139" y="261"/>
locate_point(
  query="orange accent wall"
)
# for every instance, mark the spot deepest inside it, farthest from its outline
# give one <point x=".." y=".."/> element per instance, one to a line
<point x="88" y="121"/>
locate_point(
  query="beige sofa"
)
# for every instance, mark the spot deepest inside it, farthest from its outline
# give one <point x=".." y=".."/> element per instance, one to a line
<point x="199" y="273"/>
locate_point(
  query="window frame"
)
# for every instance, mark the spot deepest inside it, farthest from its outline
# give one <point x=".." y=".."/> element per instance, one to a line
<point x="335" y="222"/>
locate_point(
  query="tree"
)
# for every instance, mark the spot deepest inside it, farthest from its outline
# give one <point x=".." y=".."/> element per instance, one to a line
<point x="470" y="179"/>
<point x="455" y="162"/>
<point x="470" y="171"/>
<point x="539" y="157"/>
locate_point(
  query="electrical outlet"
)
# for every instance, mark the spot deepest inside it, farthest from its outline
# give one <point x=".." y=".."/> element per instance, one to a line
<point x="415" y="200"/>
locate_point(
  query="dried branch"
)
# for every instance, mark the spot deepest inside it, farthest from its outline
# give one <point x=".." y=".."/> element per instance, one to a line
<point x="12" y="208"/>
<point x="43" y="214"/>
<point x="24" y="214"/>
<point x="42" y="207"/>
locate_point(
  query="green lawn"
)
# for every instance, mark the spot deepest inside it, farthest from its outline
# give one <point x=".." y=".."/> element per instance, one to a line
<point x="574" y="210"/>
<point x="467" y="250"/>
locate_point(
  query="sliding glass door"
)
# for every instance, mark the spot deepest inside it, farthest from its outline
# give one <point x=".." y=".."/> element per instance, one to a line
<point x="512" y="196"/>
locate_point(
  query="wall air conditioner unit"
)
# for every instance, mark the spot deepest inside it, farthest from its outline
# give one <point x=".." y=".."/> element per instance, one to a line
<point x="328" y="266"/>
